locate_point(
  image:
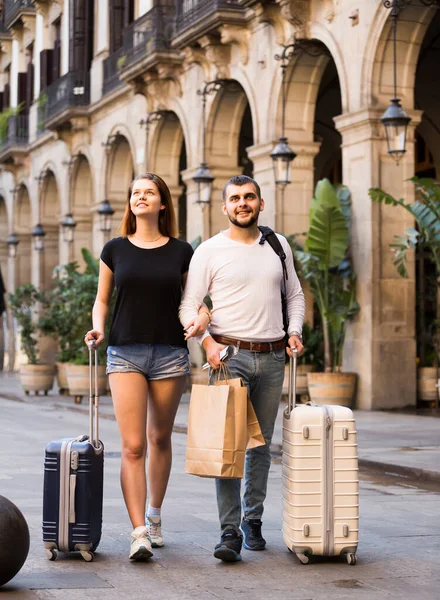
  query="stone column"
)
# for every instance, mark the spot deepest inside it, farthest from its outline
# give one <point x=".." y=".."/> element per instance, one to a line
<point x="380" y="344"/>
<point x="10" y="320"/>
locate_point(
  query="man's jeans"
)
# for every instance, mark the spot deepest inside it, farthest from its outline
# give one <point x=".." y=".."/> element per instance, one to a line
<point x="263" y="374"/>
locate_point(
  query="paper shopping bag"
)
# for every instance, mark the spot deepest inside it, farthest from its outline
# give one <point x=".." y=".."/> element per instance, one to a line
<point x="218" y="430"/>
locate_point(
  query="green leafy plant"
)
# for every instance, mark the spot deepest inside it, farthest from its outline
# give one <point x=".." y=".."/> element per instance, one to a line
<point x="69" y="314"/>
<point x="426" y="211"/>
<point x="325" y="263"/>
<point x="4" y="120"/>
<point x="23" y="303"/>
<point x="121" y="62"/>
<point x="313" y="347"/>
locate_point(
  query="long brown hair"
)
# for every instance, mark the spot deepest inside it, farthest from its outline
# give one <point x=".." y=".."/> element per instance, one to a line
<point x="167" y="216"/>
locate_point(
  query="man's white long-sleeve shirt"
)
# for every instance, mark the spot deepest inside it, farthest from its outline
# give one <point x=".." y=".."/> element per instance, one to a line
<point x="244" y="282"/>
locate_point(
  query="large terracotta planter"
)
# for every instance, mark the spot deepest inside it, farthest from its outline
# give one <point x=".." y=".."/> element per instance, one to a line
<point x="37" y="378"/>
<point x="301" y="379"/>
<point x="62" y="377"/>
<point x="427" y="379"/>
<point x="78" y="381"/>
<point x="332" y="388"/>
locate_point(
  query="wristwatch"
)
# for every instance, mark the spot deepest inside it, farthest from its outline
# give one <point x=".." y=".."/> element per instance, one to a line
<point x="297" y="335"/>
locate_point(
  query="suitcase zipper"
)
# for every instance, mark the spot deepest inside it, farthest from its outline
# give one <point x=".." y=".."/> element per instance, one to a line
<point x="328" y="495"/>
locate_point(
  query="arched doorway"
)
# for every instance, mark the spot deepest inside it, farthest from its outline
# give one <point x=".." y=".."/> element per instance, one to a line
<point x="168" y="158"/>
<point x="23" y="227"/>
<point x="229" y="133"/>
<point x="81" y="205"/>
<point x="119" y="175"/>
<point x="49" y="217"/>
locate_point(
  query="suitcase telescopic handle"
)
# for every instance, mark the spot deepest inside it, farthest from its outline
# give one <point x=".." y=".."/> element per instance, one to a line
<point x="93" y="393"/>
<point x="291" y="399"/>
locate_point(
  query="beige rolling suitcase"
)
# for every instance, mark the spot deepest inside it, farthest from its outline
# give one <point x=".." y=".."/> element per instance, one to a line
<point x="320" y="479"/>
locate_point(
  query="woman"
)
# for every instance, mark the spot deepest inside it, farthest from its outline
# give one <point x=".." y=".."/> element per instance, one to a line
<point x="147" y="358"/>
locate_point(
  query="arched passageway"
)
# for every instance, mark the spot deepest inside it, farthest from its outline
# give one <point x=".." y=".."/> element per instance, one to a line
<point x="119" y="175"/>
<point x="23" y="228"/>
<point x="49" y="216"/>
<point x="168" y="158"/>
<point x="229" y="133"/>
<point x="81" y="205"/>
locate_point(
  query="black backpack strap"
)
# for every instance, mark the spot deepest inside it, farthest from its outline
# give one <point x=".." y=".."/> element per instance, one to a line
<point x="269" y="236"/>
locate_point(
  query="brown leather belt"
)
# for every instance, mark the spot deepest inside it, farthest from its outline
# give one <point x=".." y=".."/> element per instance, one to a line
<point x="252" y="346"/>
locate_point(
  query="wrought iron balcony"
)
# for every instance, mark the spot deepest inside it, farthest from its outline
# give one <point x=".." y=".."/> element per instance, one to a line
<point x="145" y="39"/>
<point x="14" y="9"/>
<point x="196" y="17"/>
<point x="112" y="66"/>
<point x="15" y="139"/>
<point x="67" y="97"/>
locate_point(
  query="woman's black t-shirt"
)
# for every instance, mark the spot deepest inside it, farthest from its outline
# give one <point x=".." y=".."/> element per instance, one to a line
<point x="148" y="291"/>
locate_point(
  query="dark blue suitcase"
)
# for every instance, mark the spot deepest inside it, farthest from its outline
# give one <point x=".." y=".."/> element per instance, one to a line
<point x="73" y="485"/>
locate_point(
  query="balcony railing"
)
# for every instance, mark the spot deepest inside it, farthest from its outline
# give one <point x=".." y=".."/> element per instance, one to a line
<point x="112" y="66"/>
<point x="17" y="133"/>
<point x="191" y="12"/>
<point x="13" y="9"/>
<point x="70" y="91"/>
<point x="150" y="33"/>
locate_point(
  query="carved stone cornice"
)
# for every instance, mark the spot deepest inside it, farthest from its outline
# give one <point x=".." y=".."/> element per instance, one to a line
<point x="196" y="56"/>
<point x="161" y="86"/>
<point x="217" y="55"/>
<point x="239" y="35"/>
<point x="297" y="12"/>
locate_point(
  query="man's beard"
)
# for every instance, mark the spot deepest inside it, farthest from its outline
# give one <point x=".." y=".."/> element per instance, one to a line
<point x="246" y="224"/>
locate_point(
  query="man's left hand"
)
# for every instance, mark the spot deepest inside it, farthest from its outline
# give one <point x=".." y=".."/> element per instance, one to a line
<point x="295" y="342"/>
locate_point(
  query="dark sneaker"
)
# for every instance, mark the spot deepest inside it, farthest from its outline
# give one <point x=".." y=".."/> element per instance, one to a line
<point x="252" y="538"/>
<point x="229" y="547"/>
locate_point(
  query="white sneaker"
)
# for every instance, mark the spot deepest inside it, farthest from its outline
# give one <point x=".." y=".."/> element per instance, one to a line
<point x="153" y="525"/>
<point x="140" y="545"/>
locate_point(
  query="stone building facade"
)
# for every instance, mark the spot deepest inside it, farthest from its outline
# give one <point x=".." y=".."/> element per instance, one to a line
<point x="86" y="73"/>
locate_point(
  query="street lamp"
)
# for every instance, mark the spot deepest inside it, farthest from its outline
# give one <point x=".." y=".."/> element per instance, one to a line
<point x="12" y="242"/>
<point x="68" y="225"/>
<point x="38" y="234"/>
<point x="203" y="177"/>
<point x="395" y="119"/>
<point x="105" y="212"/>
<point x="282" y="155"/>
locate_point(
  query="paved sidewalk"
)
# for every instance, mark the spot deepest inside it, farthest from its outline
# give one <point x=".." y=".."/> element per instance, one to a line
<point x="398" y="443"/>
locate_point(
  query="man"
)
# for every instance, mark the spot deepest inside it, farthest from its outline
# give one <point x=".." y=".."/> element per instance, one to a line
<point x="244" y="279"/>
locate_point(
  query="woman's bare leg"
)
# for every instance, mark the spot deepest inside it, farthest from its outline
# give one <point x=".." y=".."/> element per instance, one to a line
<point x="130" y="393"/>
<point x="163" y="401"/>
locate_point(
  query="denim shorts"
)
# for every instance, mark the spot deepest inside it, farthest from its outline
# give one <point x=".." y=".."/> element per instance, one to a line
<point x="155" y="361"/>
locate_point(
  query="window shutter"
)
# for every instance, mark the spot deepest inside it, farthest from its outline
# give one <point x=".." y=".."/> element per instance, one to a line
<point x="2" y="105"/>
<point x="46" y="68"/>
<point x="7" y="95"/>
<point x="56" y="66"/>
<point x="81" y="35"/>
<point x="116" y="24"/>
<point x="29" y="85"/>
<point x="22" y="91"/>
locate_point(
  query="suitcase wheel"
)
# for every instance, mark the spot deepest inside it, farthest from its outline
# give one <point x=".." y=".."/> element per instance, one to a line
<point x="87" y="555"/>
<point x="351" y="558"/>
<point x="303" y="558"/>
<point x="51" y="554"/>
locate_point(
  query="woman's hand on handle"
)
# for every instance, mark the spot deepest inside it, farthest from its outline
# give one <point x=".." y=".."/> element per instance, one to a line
<point x="95" y="335"/>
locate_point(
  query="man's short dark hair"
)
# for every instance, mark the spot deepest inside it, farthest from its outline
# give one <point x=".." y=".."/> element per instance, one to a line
<point x="241" y="180"/>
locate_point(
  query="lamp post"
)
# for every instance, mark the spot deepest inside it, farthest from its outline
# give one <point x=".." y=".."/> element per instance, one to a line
<point x="12" y="243"/>
<point x="38" y="235"/>
<point x="152" y="118"/>
<point x="395" y="119"/>
<point x="68" y="225"/>
<point x="203" y="177"/>
<point x="105" y="212"/>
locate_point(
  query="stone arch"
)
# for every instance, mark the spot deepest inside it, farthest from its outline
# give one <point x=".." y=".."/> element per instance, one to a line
<point x="81" y="203"/>
<point x="49" y="218"/>
<point x="378" y="62"/>
<point x="119" y="175"/>
<point x="225" y="151"/>
<point x="23" y="229"/>
<point x="168" y="158"/>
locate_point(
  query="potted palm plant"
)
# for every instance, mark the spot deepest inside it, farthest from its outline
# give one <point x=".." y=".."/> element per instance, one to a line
<point x="426" y="213"/>
<point x="325" y="263"/>
<point x="25" y="304"/>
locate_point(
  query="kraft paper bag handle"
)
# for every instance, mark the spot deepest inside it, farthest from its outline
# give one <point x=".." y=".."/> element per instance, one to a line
<point x="225" y="371"/>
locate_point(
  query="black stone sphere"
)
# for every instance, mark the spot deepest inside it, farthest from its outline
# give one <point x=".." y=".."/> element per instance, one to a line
<point x="14" y="540"/>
